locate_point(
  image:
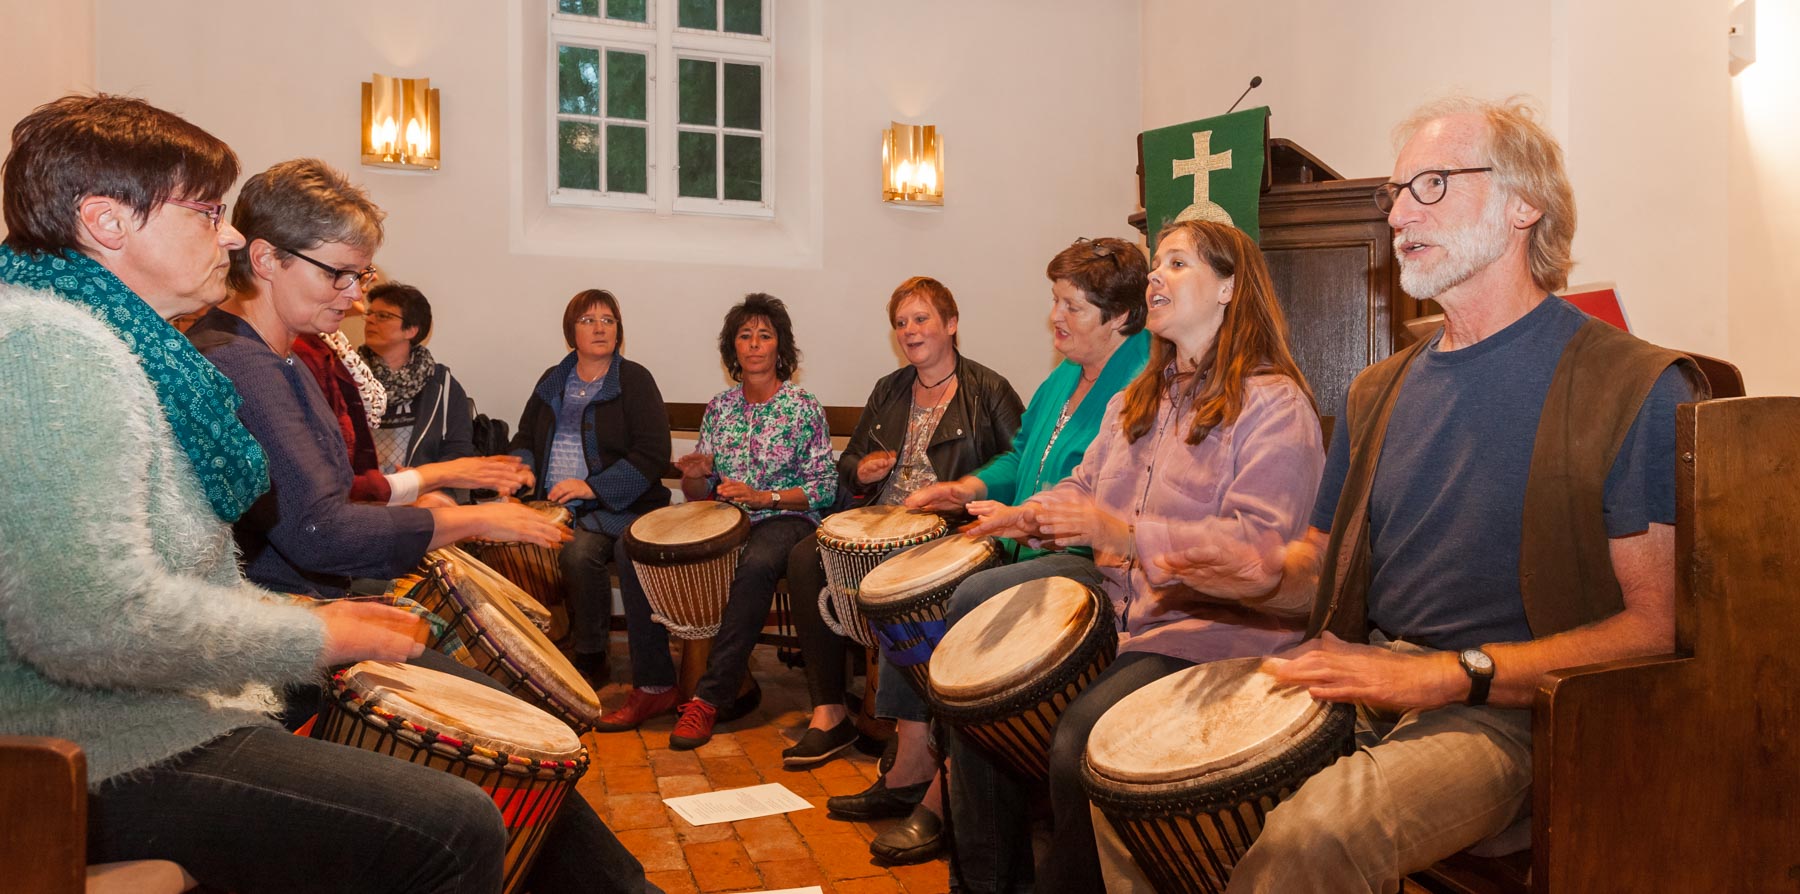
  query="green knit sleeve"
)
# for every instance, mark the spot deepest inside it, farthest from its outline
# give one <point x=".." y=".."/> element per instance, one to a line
<point x="93" y="516"/>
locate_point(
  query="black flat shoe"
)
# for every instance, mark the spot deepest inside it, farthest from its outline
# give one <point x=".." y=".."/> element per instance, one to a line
<point x="820" y="745"/>
<point x="743" y="704"/>
<point x="916" y="839"/>
<point x="878" y="801"/>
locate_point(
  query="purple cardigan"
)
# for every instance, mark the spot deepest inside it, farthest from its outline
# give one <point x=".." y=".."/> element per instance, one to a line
<point x="1252" y="481"/>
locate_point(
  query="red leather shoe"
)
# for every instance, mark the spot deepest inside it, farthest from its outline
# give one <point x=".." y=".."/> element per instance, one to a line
<point x="639" y="706"/>
<point x="695" y="726"/>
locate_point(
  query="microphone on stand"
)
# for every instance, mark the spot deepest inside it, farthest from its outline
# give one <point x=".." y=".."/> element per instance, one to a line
<point x="1255" y="82"/>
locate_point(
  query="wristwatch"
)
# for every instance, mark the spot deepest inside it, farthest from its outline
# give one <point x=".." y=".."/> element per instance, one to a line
<point x="1479" y="666"/>
<point x="774" y="499"/>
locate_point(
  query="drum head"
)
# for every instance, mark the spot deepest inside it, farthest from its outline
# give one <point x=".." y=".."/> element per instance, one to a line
<point x="686" y="532"/>
<point x="1211" y="718"/>
<point x="490" y="601"/>
<point x="880" y="527"/>
<point x="924" y="568"/>
<point x="495" y="584"/>
<point x="557" y="513"/>
<point x="461" y="709"/>
<point x="1012" y="638"/>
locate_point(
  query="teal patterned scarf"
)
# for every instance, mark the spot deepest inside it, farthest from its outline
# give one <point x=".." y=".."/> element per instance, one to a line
<point x="198" y="400"/>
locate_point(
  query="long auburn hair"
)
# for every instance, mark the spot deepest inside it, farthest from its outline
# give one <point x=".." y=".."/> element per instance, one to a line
<point x="1252" y="339"/>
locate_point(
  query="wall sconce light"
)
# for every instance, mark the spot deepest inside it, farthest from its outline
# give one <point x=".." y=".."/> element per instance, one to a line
<point x="912" y="165"/>
<point x="1742" y="40"/>
<point x="400" y="123"/>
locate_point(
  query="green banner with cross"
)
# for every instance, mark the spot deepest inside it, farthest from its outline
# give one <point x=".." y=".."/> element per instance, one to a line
<point x="1211" y="169"/>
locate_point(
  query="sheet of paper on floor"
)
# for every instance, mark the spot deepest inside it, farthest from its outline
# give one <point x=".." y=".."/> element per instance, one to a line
<point x="736" y="804"/>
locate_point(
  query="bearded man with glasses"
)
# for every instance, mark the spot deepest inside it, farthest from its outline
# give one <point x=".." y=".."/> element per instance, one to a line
<point x="1519" y="520"/>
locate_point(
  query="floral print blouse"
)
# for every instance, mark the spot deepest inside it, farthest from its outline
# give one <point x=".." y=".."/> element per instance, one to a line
<point x="781" y="443"/>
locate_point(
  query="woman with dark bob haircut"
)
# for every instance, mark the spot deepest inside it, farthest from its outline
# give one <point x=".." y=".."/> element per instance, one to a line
<point x="936" y="418"/>
<point x="127" y="624"/>
<point x="1216" y="441"/>
<point x="595" y="435"/>
<point x="765" y="446"/>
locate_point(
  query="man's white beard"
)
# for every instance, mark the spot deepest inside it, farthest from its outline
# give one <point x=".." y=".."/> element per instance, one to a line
<point x="1466" y="252"/>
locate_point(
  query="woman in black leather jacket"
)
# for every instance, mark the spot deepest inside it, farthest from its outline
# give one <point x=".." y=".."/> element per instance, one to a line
<point x="936" y="419"/>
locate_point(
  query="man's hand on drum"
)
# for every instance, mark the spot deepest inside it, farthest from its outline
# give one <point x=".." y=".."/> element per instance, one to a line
<point x="569" y="490"/>
<point x="1000" y="520"/>
<point x="1336" y="671"/>
<point x="518" y="523"/>
<point x="695" y="465"/>
<point x="944" y="496"/>
<point x="367" y="631"/>
<point x="875" y="466"/>
<point x="1067" y="519"/>
<point x="505" y="474"/>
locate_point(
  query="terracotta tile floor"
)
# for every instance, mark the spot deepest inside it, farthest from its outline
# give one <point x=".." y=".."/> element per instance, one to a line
<point x="632" y="772"/>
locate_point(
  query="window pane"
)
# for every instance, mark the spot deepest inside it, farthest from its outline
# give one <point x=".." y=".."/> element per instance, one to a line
<point x="743" y="168"/>
<point x="703" y="14"/>
<point x="698" y="153"/>
<point x="579" y="7"/>
<point x="625" y="159"/>
<point x="628" y="10"/>
<point x="578" y="80"/>
<point x="743" y="96"/>
<point x="577" y="155"/>
<point x="699" y="91"/>
<point x="625" y="73"/>
<point x="743" y="16"/>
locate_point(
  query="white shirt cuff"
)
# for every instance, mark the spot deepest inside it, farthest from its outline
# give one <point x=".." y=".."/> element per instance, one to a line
<point x="404" y="486"/>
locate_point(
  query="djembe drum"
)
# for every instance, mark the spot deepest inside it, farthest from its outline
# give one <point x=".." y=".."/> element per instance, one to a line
<point x="525" y="759"/>
<point x="905" y="599"/>
<point x="1187" y="767"/>
<point x="535" y="569"/>
<point x="686" y="557"/>
<point x="432" y="588"/>
<point x="505" y="644"/>
<point x="1007" y="671"/>
<point x="851" y="544"/>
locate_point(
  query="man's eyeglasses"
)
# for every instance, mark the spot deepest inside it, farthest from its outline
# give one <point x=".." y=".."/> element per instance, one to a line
<point x="1426" y="186"/>
<point x="341" y="277"/>
<point x="214" y="212"/>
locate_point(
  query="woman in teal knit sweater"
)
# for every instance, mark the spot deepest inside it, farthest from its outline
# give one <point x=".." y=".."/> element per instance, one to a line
<point x="124" y="623"/>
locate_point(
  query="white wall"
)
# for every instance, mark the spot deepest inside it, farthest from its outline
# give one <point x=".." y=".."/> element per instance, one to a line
<point x="1638" y="93"/>
<point x="48" y="49"/>
<point x="1764" y="279"/>
<point x="1038" y="102"/>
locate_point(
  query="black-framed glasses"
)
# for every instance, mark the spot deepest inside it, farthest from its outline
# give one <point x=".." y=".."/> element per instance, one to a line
<point x="341" y="277"/>
<point x="1428" y="187"/>
<point x="214" y="211"/>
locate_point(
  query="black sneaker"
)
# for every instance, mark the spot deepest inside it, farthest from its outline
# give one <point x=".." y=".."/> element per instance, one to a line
<point x="820" y="745"/>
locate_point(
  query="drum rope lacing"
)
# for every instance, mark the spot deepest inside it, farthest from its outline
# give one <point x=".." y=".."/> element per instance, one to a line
<point x="358" y="703"/>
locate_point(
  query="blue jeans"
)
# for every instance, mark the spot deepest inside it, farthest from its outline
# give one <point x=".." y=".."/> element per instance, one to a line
<point x="988" y="804"/>
<point x="759" y="569"/>
<point x="587" y="588"/>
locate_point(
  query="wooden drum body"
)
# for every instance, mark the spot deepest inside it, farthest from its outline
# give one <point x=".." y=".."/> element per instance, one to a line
<point x="506" y="644"/>
<point x="1188" y="767"/>
<point x="905" y="599"/>
<point x="1006" y="672"/>
<point x="535" y="569"/>
<point x="686" y="556"/>
<point x="851" y="544"/>
<point x="525" y="759"/>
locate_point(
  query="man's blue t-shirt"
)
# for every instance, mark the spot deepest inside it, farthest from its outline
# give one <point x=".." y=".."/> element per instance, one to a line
<point x="1446" y="509"/>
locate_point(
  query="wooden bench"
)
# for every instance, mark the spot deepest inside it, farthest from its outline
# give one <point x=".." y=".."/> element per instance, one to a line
<point x="1678" y="772"/>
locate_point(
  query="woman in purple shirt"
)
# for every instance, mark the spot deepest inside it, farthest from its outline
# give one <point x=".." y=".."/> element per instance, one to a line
<point x="1217" y="440"/>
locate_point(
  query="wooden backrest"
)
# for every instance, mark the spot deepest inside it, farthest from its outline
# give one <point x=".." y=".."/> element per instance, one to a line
<point x="43" y="798"/>
<point x="1679" y="773"/>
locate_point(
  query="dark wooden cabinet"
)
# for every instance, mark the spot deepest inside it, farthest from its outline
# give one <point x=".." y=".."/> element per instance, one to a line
<point x="1330" y="253"/>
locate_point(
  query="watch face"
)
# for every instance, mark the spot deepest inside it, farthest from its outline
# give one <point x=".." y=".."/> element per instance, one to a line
<point x="1477" y="660"/>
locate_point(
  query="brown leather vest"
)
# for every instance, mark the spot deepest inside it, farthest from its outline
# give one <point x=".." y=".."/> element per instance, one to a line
<point x="1565" y="568"/>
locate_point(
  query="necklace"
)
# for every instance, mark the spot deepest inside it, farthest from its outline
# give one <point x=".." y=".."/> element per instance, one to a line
<point x="940" y="381"/>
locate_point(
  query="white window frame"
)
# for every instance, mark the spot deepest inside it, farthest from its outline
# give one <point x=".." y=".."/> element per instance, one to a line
<point x="664" y="43"/>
